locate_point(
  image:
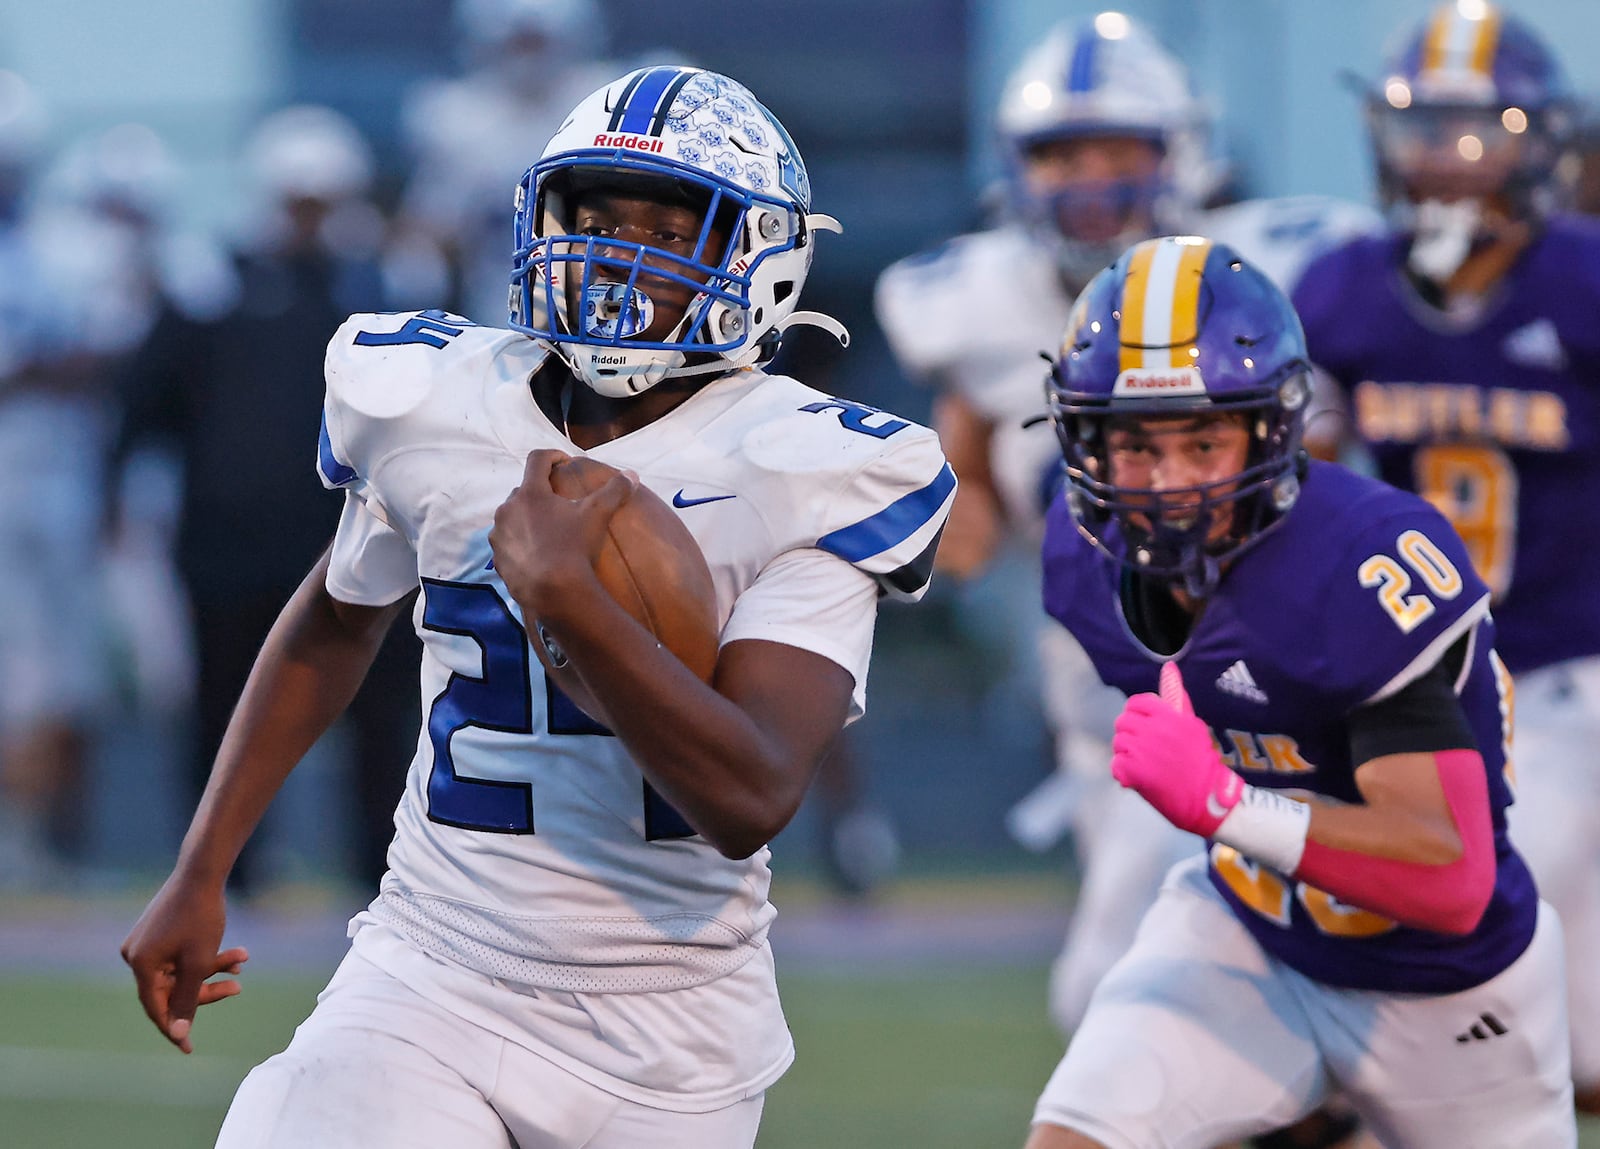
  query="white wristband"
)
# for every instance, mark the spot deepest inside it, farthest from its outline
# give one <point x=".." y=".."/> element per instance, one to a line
<point x="1267" y="827"/>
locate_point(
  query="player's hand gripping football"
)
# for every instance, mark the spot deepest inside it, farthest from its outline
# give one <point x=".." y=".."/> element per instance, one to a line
<point x="173" y="948"/>
<point x="1165" y="753"/>
<point x="545" y="545"/>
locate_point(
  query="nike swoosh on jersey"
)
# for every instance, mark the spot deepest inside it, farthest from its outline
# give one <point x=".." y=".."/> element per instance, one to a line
<point x="679" y="501"/>
<point x="1214" y="807"/>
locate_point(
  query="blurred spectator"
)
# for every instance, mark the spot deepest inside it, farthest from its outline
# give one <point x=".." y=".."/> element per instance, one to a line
<point x="51" y="679"/>
<point x="527" y="63"/>
<point x="239" y="397"/>
<point x="107" y="236"/>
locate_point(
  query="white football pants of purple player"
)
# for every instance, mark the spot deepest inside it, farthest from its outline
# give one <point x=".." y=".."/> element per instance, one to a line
<point x="1198" y="1038"/>
<point x="1555" y="824"/>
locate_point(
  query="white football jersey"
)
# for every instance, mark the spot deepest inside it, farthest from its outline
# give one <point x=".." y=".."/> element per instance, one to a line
<point x="529" y="847"/>
<point x="974" y="316"/>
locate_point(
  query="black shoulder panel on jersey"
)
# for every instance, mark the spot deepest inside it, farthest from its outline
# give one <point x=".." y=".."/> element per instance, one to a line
<point x="1424" y="717"/>
<point x="914" y="575"/>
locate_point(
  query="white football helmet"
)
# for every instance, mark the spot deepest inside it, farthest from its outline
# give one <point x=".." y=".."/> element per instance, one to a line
<point x="684" y="135"/>
<point x="24" y="128"/>
<point x="126" y="170"/>
<point x="308" y="152"/>
<point x="1106" y="77"/>
<point x="486" y="24"/>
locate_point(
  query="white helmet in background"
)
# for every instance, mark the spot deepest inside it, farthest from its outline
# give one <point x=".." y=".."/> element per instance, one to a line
<point x="23" y="122"/>
<point x="1107" y="77"/>
<point x="483" y="23"/>
<point x="308" y="152"/>
<point x="672" y="134"/>
<point x="24" y="127"/>
<point x="528" y="45"/>
<point x="127" y="169"/>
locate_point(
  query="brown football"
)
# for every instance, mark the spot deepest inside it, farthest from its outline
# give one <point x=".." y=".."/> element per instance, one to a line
<point x="652" y="566"/>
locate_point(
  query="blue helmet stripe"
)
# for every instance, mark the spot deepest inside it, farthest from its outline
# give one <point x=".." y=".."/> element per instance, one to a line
<point x="1080" y="75"/>
<point x="333" y="472"/>
<point x="640" y="106"/>
<point x="894" y="524"/>
<point x="659" y="120"/>
<point x="622" y="104"/>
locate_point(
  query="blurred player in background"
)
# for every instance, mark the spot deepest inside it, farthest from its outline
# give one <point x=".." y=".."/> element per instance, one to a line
<point x="1105" y="143"/>
<point x="236" y="393"/>
<point x="116" y="251"/>
<point x="52" y="663"/>
<point x="1315" y="635"/>
<point x="569" y="948"/>
<point x="1465" y="343"/>
<point x="526" y="63"/>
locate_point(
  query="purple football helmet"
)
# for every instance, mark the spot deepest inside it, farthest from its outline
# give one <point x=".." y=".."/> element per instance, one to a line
<point x="1472" y="106"/>
<point x="1181" y="326"/>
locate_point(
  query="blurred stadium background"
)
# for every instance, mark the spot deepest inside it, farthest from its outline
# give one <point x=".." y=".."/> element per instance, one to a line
<point x="919" y="1011"/>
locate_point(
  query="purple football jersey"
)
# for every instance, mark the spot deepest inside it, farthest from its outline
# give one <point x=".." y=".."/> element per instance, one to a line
<point x="1360" y="589"/>
<point x="1494" y="418"/>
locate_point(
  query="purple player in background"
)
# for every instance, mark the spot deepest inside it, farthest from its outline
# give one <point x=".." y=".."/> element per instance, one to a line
<point x="1465" y="345"/>
<point x="1317" y="635"/>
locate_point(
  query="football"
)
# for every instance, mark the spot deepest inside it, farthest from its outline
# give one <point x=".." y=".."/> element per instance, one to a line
<point x="652" y="566"/>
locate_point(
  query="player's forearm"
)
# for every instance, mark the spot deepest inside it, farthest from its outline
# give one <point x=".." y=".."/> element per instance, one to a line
<point x="309" y="668"/>
<point x="1426" y="866"/>
<point x="977" y="518"/>
<point x="703" y="752"/>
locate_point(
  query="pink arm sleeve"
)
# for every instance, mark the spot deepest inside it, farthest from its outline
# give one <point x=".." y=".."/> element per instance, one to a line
<point x="1448" y="899"/>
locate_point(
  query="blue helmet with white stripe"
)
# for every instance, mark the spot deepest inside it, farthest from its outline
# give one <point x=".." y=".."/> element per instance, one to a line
<point x="1107" y="77"/>
<point x="685" y="136"/>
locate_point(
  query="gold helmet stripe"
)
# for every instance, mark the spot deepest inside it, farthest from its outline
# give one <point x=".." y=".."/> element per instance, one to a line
<point x="1161" y="301"/>
<point x="1457" y="44"/>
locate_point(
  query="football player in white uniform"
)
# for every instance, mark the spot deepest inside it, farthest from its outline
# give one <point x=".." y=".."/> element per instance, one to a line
<point x="1104" y="141"/>
<point x="569" y="948"/>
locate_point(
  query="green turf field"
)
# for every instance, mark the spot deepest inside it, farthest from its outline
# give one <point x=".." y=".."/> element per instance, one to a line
<point x="935" y="1060"/>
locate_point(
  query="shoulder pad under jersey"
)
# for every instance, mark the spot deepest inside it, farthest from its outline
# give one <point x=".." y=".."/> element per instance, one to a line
<point x="941" y="307"/>
<point x="1400" y="594"/>
<point x="856" y="481"/>
<point x="383" y="368"/>
<point x="1281" y="236"/>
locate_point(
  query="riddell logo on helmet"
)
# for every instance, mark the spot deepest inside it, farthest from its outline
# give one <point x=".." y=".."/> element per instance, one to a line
<point x="1160" y="381"/>
<point x="637" y="143"/>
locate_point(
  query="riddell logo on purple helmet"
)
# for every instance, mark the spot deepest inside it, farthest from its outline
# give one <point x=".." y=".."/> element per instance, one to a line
<point x="1167" y="381"/>
<point x="619" y="140"/>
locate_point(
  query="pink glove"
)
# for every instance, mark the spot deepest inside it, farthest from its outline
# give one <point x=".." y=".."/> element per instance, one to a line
<point x="1165" y="753"/>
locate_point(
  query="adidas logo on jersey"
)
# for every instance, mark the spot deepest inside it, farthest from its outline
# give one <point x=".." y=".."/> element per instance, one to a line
<point x="1237" y="681"/>
<point x="1535" y="345"/>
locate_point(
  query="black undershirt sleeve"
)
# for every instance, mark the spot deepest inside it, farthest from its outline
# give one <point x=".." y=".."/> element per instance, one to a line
<point x="1424" y="716"/>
